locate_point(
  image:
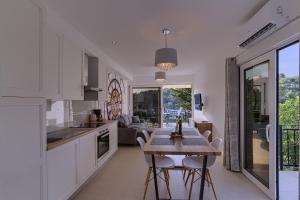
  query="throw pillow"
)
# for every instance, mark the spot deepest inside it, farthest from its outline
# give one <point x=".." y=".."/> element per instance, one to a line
<point x="136" y="119"/>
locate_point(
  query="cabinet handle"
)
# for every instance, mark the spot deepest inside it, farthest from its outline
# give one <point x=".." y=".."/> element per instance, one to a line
<point x="82" y="64"/>
<point x="268" y="133"/>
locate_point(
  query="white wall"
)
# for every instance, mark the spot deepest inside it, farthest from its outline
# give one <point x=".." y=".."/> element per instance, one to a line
<point x="210" y="82"/>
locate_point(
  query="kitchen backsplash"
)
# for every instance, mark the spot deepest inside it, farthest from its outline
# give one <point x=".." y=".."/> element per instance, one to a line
<point x="60" y="112"/>
<point x="82" y="109"/>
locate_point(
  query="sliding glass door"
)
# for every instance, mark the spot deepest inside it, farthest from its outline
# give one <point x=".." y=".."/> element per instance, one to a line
<point x="258" y="124"/>
<point x="147" y="105"/>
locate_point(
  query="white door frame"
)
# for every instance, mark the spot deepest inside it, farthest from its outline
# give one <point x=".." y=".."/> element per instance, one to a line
<point x="271" y="57"/>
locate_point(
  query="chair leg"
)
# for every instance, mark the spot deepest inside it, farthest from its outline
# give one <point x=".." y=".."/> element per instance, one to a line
<point x="212" y="185"/>
<point x="147" y="182"/>
<point x="189" y="174"/>
<point x="184" y="172"/>
<point x="207" y="180"/>
<point x="192" y="182"/>
<point x="167" y="182"/>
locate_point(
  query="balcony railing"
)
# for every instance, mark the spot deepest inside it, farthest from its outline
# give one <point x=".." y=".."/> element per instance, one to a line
<point x="289" y="147"/>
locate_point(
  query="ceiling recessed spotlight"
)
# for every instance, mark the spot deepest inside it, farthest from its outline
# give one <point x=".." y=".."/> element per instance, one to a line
<point x="115" y="43"/>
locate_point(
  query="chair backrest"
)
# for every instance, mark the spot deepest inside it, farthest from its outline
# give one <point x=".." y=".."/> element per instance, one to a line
<point x="146" y="135"/>
<point x="142" y="143"/>
<point x="216" y="144"/>
<point x="207" y="133"/>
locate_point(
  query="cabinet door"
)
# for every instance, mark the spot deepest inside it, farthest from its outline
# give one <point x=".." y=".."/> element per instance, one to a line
<point x="22" y="148"/>
<point x="52" y="65"/>
<point x="20" y="49"/>
<point x="87" y="156"/>
<point x="72" y="70"/>
<point x="62" y="174"/>
<point x="102" y="73"/>
<point x="113" y="133"/>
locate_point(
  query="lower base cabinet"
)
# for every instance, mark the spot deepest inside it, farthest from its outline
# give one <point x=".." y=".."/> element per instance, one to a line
<point x="71" y="164"/>
<point x="62" y="171"/>
<point x="87" y="156"/>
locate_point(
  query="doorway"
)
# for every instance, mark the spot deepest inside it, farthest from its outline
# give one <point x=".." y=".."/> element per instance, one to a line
<point x="288" y="121"/>
<point x="147" y="105"/>
<point x="258" y="122"/>
<point x="270" y="121"/>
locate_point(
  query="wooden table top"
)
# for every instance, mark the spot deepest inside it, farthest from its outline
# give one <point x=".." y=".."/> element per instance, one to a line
<point x="194" y="143"/>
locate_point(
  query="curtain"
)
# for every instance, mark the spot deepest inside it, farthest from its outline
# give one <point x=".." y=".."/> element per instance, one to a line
<point x="232" y="113"/>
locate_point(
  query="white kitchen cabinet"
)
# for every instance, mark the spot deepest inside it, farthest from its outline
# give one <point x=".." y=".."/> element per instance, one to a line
<point x="22" y="148"/>
<point x="113" y="133"/>
<point x="102" y="73"/>
<point x="87" y="156"/>
<point x="62" y="171"/>
<point x="20" y="49"/>
<point x="52" y="64"/>
<point x="72" y="70"/>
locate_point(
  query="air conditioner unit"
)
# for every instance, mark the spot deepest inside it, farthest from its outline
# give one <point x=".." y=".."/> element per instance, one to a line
<point x="272" y="16"/>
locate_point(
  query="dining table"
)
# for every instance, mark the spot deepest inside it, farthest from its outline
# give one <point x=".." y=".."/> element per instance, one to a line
<point x="190" y="143"/>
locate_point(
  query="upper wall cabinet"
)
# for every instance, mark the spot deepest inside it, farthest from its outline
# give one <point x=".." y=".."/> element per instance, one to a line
<point x="52" y="64"/>
<point x="72" y="70"/>
<point x="20" y="49"/>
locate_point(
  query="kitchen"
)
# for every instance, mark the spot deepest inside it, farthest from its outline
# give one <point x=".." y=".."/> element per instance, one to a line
<point x="61" y="85"/>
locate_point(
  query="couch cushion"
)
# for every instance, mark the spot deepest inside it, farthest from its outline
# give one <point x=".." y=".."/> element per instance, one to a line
<point x="136" y="119"/>
<point x="126" y="120"/>
<point x="129" y="119"/>
<point x="122" y="122"/>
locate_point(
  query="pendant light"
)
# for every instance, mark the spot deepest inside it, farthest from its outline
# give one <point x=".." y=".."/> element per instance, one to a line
<point x="160" y="76"/>
<point x="166" y="58"/>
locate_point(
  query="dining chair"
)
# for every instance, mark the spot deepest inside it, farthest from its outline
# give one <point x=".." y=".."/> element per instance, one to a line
<point x="162" y="163"/>
<point x="146" y="135"/>
<point x="206" y="134"/>
<point x="194" y="165"/>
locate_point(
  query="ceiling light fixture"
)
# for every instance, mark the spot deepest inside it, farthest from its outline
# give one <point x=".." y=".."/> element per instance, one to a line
<point x="166" y="58"/>
<point x="160" y="76"/>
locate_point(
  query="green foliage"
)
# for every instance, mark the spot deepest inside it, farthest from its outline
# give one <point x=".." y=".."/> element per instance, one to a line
<point x="179" y="97"/>
<point x="288" y="87"/>
<point x="289" y="112"/>
<point x="289" y="117"/>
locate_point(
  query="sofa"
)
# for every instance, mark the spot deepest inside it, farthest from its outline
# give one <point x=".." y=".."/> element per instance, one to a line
<point x="129" y="128"/>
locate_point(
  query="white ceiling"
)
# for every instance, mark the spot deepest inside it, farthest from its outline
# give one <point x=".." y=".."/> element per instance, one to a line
<point x="201" y="30"/>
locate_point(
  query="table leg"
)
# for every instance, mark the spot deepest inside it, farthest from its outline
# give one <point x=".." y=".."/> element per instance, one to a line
<point x="203" y="178"/>
<point x="154" y="176"/>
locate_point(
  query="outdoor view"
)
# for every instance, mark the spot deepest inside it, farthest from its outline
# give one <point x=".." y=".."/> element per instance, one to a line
<point x="146" y="105"/>
<point x="177" y="100"/>
<point x="288" y="62"/>
<point x="288" y="104"/>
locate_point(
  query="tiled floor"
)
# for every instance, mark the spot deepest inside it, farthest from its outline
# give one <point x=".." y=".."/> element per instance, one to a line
<point x="122" y="178"/>
<point x="288" y="185"/>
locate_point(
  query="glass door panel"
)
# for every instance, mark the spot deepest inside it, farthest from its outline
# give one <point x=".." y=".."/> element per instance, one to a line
<point x="256" y="122"/>
<point x="147" y="105"/>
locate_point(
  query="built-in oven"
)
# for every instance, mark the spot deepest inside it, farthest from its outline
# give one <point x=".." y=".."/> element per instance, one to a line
<point x="102" y="143"/>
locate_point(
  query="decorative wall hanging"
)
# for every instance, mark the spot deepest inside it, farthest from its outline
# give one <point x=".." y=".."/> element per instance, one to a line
<point x="116" y="96"/>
